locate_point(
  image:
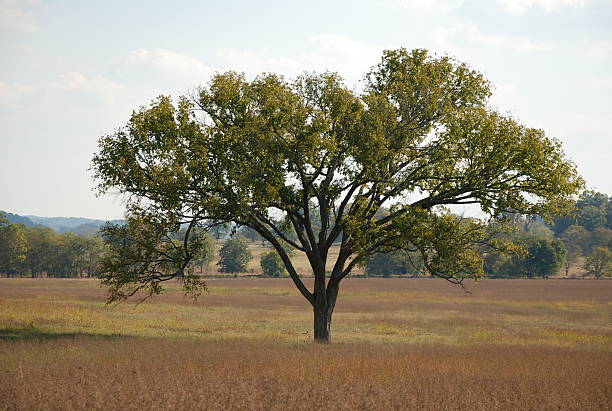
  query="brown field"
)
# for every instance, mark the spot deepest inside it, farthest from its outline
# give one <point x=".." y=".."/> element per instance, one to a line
<point x="398" y="344"/>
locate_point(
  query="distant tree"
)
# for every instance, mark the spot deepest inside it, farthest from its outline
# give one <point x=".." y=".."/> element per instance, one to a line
<point x="544" y="257"/>
<point x="599" y="262"/>
<point x="94" y="249"/>
<point x="221" y="230"/>
<point x="538" y="229"/>
<point x="600" y="237"/>
<point x="13" y="248"/>
<point x="41" y="247"/>
<point x="592" y="217"/>
<point x="272" y="265"/>
<point x="234" y="256"/>
<point x="576" y="240"/>
<point x="399" y="262"/>
<point x="249" y="233"/>
<point x="590" y="198"/>
<point x="561" y="223"/>
<point x="205" y="254"/>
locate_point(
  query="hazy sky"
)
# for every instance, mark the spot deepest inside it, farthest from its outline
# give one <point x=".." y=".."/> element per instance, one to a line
<point x="72" y="71"/>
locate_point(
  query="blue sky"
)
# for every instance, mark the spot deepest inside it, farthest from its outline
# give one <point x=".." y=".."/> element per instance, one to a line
<point x="73" y="71"/>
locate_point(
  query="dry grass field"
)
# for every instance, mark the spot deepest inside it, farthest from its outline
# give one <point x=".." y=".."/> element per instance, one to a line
<point x="398" y="344"/>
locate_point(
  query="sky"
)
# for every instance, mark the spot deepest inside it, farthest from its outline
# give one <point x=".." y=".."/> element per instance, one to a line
<point x="73" y="71"/>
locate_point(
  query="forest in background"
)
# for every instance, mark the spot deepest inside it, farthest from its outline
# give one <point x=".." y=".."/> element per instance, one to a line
<point x="72" y="247"/>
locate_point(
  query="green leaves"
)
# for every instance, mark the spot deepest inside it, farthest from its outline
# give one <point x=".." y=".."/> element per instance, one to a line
<point x="234" y="256"/>
<point x="326" y="160"/>
<point x="141" y="255"/>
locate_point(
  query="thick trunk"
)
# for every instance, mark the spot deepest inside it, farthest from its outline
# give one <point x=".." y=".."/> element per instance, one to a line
<point x="322" y="323"/>
<point x="323" y="307"/>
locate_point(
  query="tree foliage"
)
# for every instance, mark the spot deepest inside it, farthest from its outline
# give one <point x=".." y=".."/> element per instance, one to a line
<point x="599" y="262"/>
<point x="544" y="257"/>
<point x="398" y="262"/>
<point x="234" y="256"/>
<point x="272" y="265"/>
<point x="38" y="250"/>
<point x="141" y="254"/>
<point x="13" y="247"/>
<point x="419" y="137"/>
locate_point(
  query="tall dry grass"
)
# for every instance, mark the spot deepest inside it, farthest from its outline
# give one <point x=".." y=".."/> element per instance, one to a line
<point x="399" y="344"/>
<point x="134" y="373"/>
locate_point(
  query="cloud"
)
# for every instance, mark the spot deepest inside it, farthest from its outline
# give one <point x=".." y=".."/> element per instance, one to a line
<point x="167" y="62"/>
<point x="521" y="6"/>
<point x="597" y="49"/>
<point x="14" y="17"/>
<point x="257" y="62"/>
<point x="470" y="34"/>
<point x="327" y="52"/>
<point x="604" y="83"/>
<point x="92" y="91"/>
<point x="428" y="6"/>
<point x="14" y="94"/>
<point x="507" y="98"/>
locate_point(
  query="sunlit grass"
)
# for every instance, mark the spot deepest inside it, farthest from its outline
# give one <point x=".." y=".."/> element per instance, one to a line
<point x="248" y="308"/>
<point x="398" y="344"/>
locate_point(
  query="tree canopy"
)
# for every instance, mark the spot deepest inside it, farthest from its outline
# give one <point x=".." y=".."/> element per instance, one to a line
<point x="316" y="157"/>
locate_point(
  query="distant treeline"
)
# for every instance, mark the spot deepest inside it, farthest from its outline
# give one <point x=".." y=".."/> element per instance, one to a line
<point x="40" y="251"/>
<point x="543" y="250"/>
<point x="582" y="240"/>
<point x="86" y="227"/>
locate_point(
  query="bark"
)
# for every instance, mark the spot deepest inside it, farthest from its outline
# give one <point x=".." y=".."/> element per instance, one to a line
<point x="322" y="324"/>
<point x="323" y="309"/>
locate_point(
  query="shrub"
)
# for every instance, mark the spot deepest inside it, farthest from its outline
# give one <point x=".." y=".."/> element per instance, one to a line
<point x="272" y="265"/>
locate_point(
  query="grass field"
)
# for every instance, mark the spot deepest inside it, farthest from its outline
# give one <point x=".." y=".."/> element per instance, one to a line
<point x="398" y="344"/>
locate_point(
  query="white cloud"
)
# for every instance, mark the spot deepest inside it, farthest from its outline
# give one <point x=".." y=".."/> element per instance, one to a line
<point x="507" y="98"/>
<point x="597" y="49"/>
<point x="12" y="94"/>
<point x="257" y="62"/>
<point x="167" y="62"/>
<point x="14" y="17"/>
<point x="94" y="90"/>
<point x="602" y="83"/>
<point x="470" y="34"/>
<point x="521" y="6"/>
<point x="428" y="6"/>
<point x="327" y="52"/>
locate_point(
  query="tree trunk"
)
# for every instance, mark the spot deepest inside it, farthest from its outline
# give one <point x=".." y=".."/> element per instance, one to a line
<point x="323" y="307"/>
<point x="322" y="323"/>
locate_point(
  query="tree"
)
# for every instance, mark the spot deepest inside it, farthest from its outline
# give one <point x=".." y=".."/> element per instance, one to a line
<point x="250" y="234"/>
<point x="601" y="237"/>
<point x="544" y="257"/>
<point x="395" y="262"/>
<point x="234" y="256"/>
<point x="40" y="250"/>
<point x="272" y="265"/>
<point x="265" y="153"/>
<point x="599" y="262"/>
<point x="205" y="254"/>
<point x="13" y="247"/>
<point x="576" y="241"/>
<point x="538" y="229"/>
<point x="592" y="217"/>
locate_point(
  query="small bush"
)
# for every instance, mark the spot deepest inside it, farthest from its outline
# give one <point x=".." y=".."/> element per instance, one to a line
<point x="272" y="265"/>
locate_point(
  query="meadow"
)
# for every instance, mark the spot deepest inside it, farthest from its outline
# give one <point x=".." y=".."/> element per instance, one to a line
<point x="398" y="343"/>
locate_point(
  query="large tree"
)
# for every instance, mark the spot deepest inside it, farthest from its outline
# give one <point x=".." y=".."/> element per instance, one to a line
<point x="317" y="158"/>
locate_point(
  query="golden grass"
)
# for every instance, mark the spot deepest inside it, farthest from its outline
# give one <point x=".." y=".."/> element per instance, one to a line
<point x="131" y="373"/>
<point x="398" y="343"/>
